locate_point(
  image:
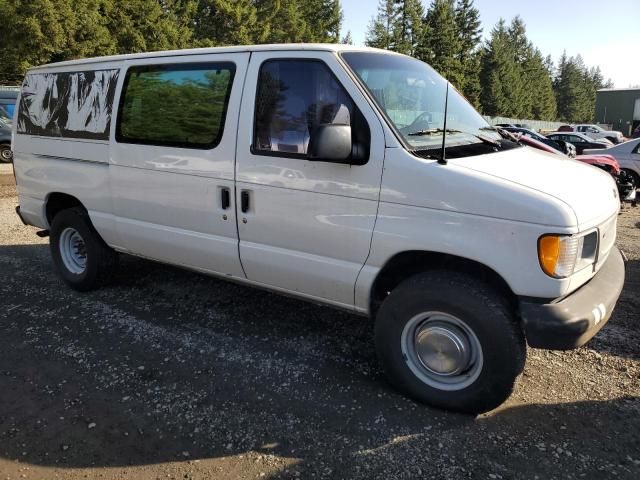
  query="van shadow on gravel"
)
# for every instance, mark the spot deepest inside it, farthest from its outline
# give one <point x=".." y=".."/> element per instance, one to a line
<point x="621" y="336"/>
<point x="167" y="365"/>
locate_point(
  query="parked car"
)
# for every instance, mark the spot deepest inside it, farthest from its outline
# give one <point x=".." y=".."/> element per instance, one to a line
<point x="462" y="244"/>
<point x="565" y="128"/>
<point x="561" y="146"/>
<point x="579" y="140"/>
<point x="5" y="140"/>
<point x="628" y="156"/>
<point x="8" y="102"/>
<point x="624" y="182"/>
<point x="596" y="132"/>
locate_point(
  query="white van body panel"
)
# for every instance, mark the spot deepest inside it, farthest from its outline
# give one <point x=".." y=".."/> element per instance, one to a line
<point x="310" y="223"/>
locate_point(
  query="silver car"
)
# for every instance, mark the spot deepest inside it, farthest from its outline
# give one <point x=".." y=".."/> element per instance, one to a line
<point x="627" y="154"/>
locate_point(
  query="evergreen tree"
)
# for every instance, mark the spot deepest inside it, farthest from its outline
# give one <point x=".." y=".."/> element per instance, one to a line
<point x="331" y="21"/>
<point x="499" y="74"/>
<point x="442" y="44"/>
<point x="347" y="39"/>
<point x="470" y="33"/>
<point x="408" y="29"/>
<point x="380" y="33"/>
<point x="575" y="88"/>
<point x="285" y="23"/>
<point x="542" y="101"/>
<point x="226" y="22"/>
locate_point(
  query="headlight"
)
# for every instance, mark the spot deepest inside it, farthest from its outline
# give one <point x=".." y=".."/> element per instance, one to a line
<point x="562" y="255"/>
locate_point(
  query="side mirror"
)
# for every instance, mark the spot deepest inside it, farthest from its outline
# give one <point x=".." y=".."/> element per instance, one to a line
<point x="330" y="143"/>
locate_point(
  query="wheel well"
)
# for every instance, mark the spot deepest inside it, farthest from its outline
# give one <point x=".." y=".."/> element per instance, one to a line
<point x="56" y="202"/>
<point x="634" y="175"/>
<point x="406" y="264"/>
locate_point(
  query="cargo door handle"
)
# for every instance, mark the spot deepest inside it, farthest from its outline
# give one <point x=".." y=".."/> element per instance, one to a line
<point x="244" y="201"/>
<point x="226" y="198"/>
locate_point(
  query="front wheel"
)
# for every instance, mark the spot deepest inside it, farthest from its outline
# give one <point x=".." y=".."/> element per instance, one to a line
<point x="450" y="341"/>
<point x="80" y="255"/>
<point x="6" y="155"/>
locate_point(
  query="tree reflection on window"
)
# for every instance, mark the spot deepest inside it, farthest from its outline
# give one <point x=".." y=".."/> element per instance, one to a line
<point x="182" y="106"/>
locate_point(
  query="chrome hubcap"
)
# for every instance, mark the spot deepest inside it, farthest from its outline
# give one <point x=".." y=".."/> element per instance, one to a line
<point x="442" y="350"/>
<point x="73" y="251"/>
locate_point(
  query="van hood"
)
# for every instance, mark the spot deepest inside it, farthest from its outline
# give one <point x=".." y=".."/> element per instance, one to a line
<point x="589" y="192"/>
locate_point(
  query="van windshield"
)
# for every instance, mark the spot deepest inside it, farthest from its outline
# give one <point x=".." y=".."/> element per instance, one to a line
<point x="413" y="96"/>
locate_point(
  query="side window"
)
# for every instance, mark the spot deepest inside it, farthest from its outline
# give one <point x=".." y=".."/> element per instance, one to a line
<point x="296" y="96"/>
<point x="637" y="149"/>
<point x="576" y="139"/>
<point x="181" y="105"/>
<point x="68" y="104"/>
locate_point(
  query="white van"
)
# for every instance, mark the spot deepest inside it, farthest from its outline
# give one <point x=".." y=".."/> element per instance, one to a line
<point x="348" y="176"/>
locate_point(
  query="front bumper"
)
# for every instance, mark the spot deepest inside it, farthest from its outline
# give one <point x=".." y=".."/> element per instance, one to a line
<point x="20" y="215"/>
<point x="574" y="320"/>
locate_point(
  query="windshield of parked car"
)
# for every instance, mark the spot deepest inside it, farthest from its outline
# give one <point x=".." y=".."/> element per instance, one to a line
<point x="413" y="97"/>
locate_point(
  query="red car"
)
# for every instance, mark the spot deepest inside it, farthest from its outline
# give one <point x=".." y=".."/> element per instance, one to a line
<point x="565" y="128"/>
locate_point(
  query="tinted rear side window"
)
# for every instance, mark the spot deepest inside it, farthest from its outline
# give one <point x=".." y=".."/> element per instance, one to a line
<point x="175" y="105"/>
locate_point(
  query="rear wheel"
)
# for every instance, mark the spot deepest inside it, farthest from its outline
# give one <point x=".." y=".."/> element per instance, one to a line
<point x="451" y="341"/>
<point x="81" y="257"/>
<point x="6" y="155"/>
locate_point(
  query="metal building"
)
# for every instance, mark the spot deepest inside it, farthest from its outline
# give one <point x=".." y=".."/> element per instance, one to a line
<point x="618" y="107"/>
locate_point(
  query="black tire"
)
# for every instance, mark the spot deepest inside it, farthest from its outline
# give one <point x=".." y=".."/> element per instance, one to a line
<point x="485" y="312"/>
<point x="101" y="260"/>
<point x="634" y="177"/>
<point x="6" y="155"/>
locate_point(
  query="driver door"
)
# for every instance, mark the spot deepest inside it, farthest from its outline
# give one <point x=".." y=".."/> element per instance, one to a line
<point x="304" y="225"/>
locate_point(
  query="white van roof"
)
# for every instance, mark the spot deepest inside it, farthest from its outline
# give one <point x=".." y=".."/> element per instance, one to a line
<point x="332" y="47"/>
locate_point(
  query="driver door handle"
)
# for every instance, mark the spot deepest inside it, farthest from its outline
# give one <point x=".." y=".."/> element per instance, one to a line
<point x="244" y="201"/>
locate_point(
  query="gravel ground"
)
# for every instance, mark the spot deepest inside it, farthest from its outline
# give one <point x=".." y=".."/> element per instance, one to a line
<point x="171" y="374"/>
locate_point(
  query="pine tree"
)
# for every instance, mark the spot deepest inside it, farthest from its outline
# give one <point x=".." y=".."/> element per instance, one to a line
<point x="470" y="34"/>
<point x="347" y="39"/>
<point x="542" y="105"/>
<point x="575" y="88"/>
<point x="286" y="23"/>
<point x="499" y="74"/>
<point x="226" y="22"/>
<point x="380" y="33"/>
<point x="408" y="29"/>
<point x="442" y="45"/>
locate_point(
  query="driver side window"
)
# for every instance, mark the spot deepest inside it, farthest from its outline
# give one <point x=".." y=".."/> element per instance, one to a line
<point x="293" y="98"/>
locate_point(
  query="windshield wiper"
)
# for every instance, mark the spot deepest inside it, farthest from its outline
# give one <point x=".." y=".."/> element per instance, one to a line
<point x="486" y="140"/>
<point x="506" y="134"/>
<point x="433" y="131"/>
<point x="436" y="131"/>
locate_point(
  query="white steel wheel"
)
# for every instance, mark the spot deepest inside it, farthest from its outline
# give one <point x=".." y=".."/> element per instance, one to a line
<point x="73" y="251"/>
<point x="442" y="351"/>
